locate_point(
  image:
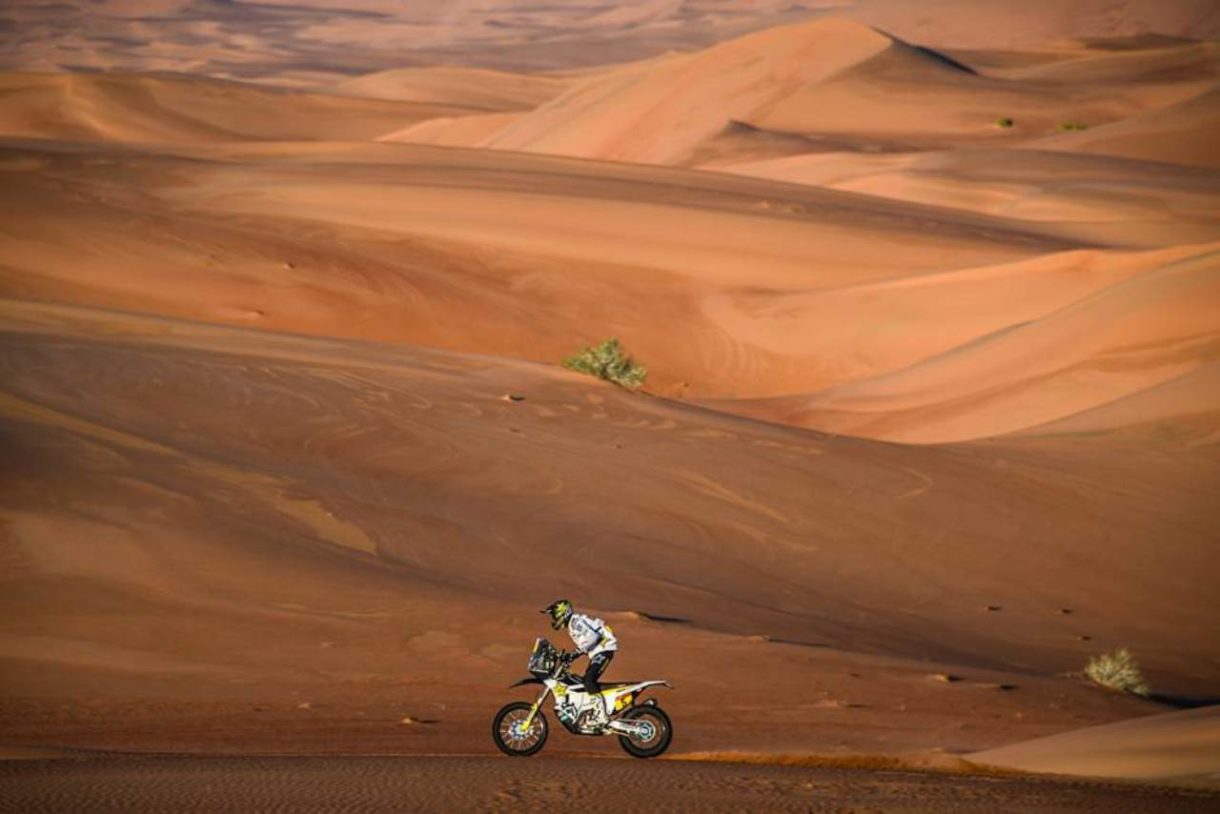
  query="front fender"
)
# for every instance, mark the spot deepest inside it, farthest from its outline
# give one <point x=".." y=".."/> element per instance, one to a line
<point x="524" y="681"/>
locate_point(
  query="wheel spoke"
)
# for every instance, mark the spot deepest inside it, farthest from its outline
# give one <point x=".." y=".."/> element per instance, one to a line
<point x="517" y="738"/>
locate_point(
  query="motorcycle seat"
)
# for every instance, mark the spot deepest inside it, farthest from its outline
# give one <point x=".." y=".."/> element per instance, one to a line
<point x="579" y="683"/>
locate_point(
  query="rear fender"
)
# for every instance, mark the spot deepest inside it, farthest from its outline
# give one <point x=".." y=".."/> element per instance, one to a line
<point x="636" y="689"/>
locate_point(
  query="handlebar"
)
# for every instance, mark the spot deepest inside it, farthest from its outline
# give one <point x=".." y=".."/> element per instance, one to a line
<point x="564" y="660"/>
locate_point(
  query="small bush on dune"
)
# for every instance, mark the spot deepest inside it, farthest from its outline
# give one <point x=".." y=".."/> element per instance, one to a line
<point x="1066" y="126"/>
<point x="608" y="361"/>
<point x="1118" y="671"/>
<point x="1004" y="122"/>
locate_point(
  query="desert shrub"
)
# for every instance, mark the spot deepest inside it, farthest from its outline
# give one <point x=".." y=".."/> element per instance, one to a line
<point x="1065" y="126"/>
<point x="1118" y="671"/>
<point x="608" y="361"/>
<point x="1004" y="122"/>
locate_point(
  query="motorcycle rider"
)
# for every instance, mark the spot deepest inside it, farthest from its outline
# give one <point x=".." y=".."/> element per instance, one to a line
<point x="592" y="637"/>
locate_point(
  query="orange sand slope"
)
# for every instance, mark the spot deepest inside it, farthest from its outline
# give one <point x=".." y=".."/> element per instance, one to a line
<point x="1172" y="746"/>
<point x="135" y="108"/>
<point x="467" y="87"/>
<point x="834" y="81"/>
<point x="878" y="285"/>
<point x="333" y="507"/>
<point x="1096" y="198"/>
<point x="1132" y="336"/>
<point x="1178" y="133"/>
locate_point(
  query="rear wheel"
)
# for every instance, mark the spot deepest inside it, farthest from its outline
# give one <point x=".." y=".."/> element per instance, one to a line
<point x="660" y="733"/>
<point x="511" y="734"/>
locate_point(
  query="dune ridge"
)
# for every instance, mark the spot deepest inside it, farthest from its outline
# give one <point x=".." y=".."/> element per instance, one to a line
<point x="418" y="221"/>
<point x="659" y="113"/>
<point x="141" y="108"/>
<point x="834" y="79"/>
<point x="1179" y="133"/>
<point x="1095" y="198"/>
<point x="484" y="90"/>
<point x="1128" y="337"/>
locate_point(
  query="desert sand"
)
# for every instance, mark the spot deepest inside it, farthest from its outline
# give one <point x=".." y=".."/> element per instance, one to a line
<point x="1175" y="744"/>
<point x="444" y="784"/>
<point x="931" y="315"/>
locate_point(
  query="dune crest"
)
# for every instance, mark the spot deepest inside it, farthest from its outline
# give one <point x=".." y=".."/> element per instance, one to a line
<point x="660" y="113"/>
<point x="480" y="90"/>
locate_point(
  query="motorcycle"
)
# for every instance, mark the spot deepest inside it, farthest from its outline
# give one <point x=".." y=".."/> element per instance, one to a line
<point x="520" y="729"/>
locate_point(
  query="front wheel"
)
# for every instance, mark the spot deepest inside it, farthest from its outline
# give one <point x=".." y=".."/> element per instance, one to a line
<point x="660" y="736"/>
<point x="509" y="732"/>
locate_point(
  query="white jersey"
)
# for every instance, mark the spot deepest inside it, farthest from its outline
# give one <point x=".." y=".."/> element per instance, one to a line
<point x="591" y="636"/>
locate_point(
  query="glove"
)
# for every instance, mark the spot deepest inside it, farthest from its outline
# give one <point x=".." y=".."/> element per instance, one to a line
<point x="568" y="658"/>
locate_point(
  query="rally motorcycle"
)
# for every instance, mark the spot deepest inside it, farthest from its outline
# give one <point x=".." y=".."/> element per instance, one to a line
<point x="520" y="729"/>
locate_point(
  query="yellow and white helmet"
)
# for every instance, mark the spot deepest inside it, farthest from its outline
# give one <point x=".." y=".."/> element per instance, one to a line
<point x="560" y="612"/>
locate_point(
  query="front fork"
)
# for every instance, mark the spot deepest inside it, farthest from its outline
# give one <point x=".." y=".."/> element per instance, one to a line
<point x="529" y="719"/>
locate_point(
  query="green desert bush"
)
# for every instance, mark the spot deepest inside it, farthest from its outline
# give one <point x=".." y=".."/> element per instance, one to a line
<point x="1118" y="671"/>
<point x="1066" y="126"/>
<point x="1004" y="122"/>
<point x="608" y="361"/>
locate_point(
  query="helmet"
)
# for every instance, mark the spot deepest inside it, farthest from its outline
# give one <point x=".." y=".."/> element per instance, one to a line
<point x="560" y="612"/>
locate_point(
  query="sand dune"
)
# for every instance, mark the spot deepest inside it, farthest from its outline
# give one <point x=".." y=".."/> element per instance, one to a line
<point x="130" y="495"/>
<point x="456" y="131"/>
<point x="1173" y="746"/>
<point x="119" y="108"/>
<point x="1159" y="64"/>
<point x="420" y="221"/>
<point x="660" y="114"/>
<point x="1133" y="335"/>
<point x="1091" y="198"/>
<point x="491" y="91"/>
<point x="835" y="79"/>
<point x="462" y="235"/>
<point x="1178" y="134"/>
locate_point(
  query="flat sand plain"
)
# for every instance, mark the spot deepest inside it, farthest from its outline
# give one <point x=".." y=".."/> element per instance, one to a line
<point x="462" y="783"/>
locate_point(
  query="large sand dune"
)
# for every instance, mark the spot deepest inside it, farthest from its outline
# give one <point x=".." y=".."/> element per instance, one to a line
<point x="373" y="505"/>
<point x="1129" y="337"/>
<point x="660" y="112"/>
<point x="837" y="81"/>
<point x="421" y="222"/>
